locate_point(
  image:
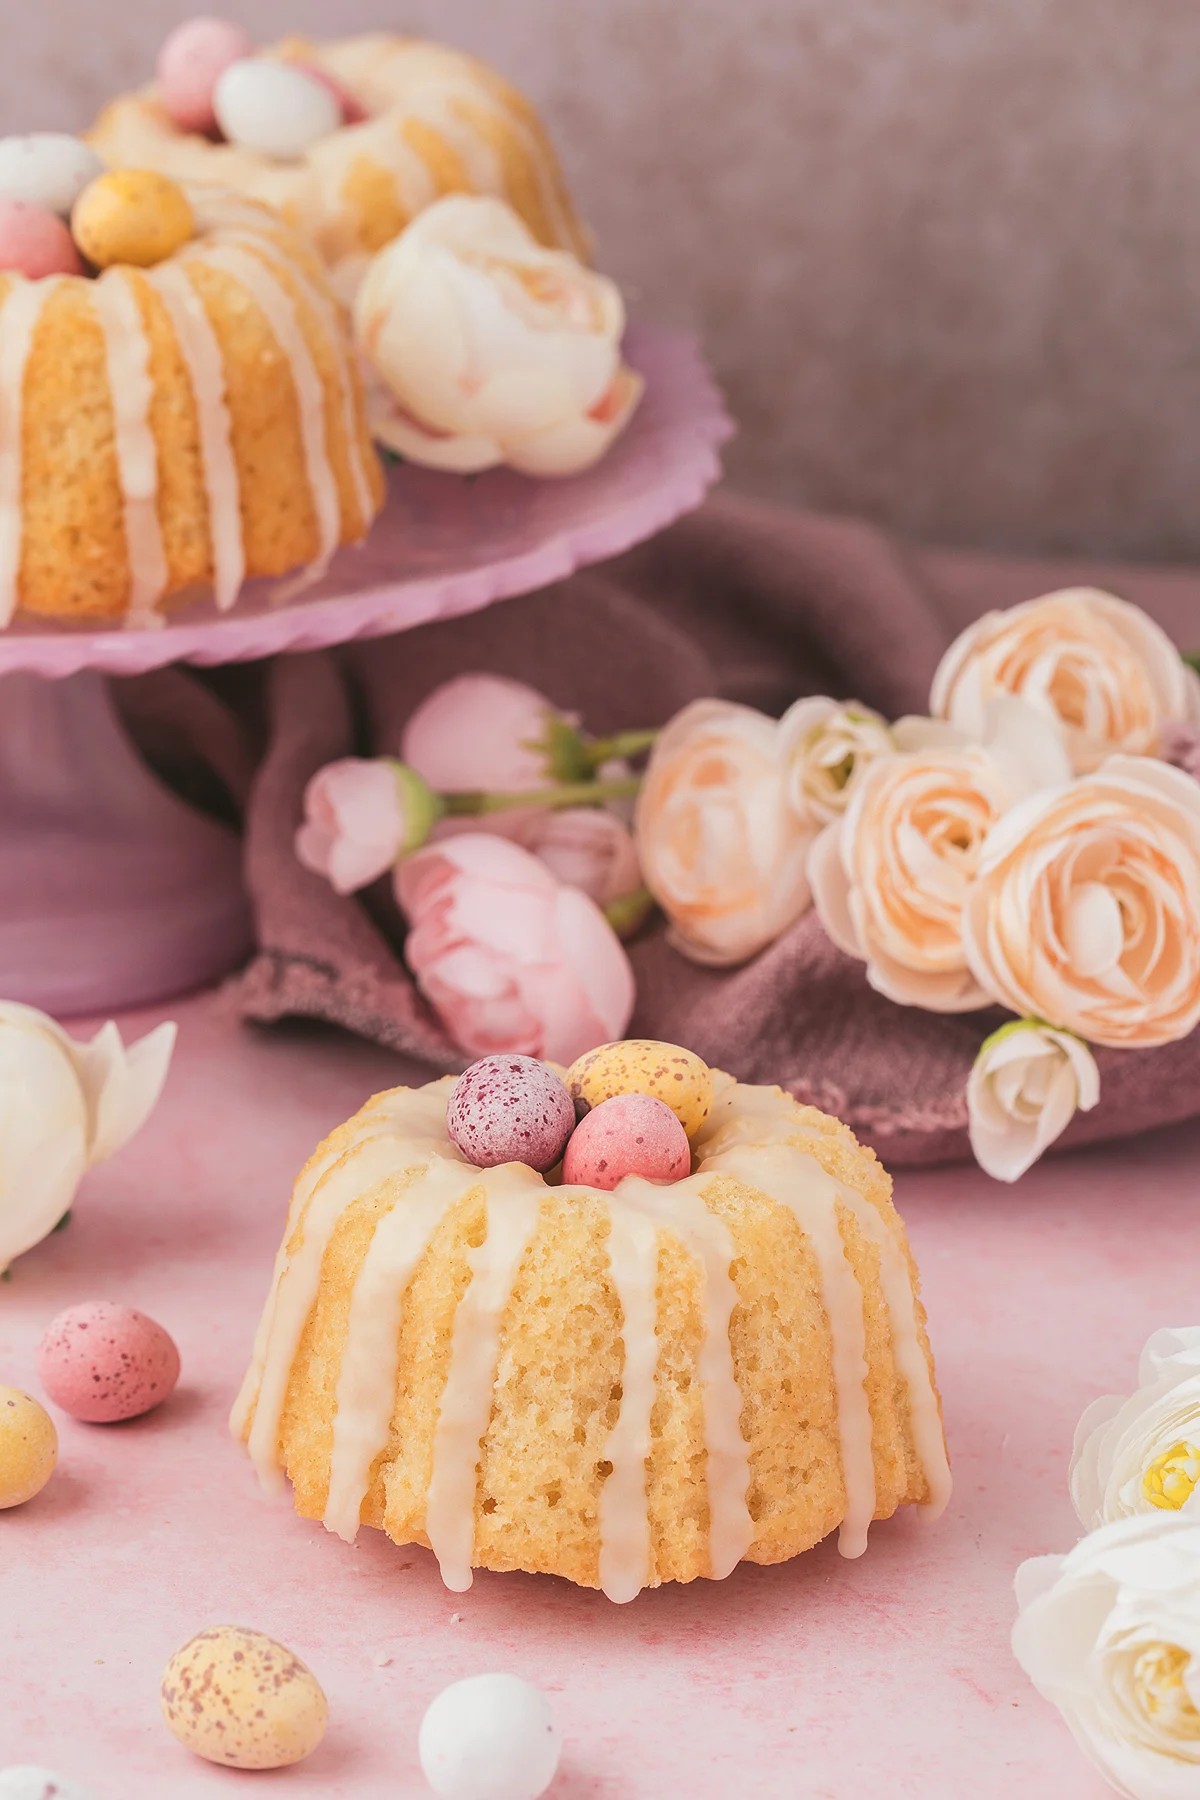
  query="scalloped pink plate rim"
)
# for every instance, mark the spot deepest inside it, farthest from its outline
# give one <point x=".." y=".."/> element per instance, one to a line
<point x="683" y="409"/>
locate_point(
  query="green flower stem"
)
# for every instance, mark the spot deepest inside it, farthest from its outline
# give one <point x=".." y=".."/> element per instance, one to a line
<point x="626" y="913"/>
<point x="1192" y="659"/>
<point x="567" y="793"/>
<point x="623" y="744"/>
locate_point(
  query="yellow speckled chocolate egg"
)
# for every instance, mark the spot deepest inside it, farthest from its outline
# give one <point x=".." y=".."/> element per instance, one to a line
<point x="237" y="1697"/>
<point x="642" y="1066"/>
<point x="131" y="216"/>
<point x="28" y="1447"/>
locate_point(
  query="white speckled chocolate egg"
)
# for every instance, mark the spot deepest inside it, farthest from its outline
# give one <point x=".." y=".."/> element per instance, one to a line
<point x="237" y="1697"/>
<point x="47" y="168"/>
<point x="490" y="1737"/>
<point x="273" y="109"/>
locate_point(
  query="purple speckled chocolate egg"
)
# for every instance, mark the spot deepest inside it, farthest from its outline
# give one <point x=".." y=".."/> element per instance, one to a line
<point x="102" y="1362"/>
<point x="631" y="1134"/>
<point x="510" y="1109"/>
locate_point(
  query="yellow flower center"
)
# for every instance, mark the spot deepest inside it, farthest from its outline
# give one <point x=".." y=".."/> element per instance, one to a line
<point x="1158" y="1683"/>
<point x="1172" y="1478"/>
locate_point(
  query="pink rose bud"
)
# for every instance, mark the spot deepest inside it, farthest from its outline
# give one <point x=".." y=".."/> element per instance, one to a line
<point x="360" y="817"/>
<point x="507" y="956"/>
<point x="482" y="731"/>
<point x="587" y="848"/>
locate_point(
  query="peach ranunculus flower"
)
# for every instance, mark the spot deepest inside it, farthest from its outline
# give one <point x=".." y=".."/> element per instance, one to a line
<point x="508" y="957"/>
<point x="1099" y="665"/>
<point x="827" y="744"/>
<point x="488" y="348"/>
<point x="891" y="878"/>
<point x="722" y="849"/>
<point x="1086" y="908"/>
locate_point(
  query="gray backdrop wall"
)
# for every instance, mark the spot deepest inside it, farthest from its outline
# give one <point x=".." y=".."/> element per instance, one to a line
<point x="944" y="253"/>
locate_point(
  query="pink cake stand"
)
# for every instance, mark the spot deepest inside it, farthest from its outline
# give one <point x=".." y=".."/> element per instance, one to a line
<point x="113" y="892"/>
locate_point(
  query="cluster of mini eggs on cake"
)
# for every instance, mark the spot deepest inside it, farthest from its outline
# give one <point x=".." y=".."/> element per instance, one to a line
<point x="211" y="81"/>
<point x="63" y="213"/>
<point x="628" y="1108"/>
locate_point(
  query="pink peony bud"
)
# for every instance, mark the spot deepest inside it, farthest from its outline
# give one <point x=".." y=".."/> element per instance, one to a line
<point x="360" y="817"/>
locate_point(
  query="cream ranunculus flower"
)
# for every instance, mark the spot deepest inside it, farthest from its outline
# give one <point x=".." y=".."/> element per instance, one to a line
<point x="1086" y="908"/>
<point x="1028" y="1082"/>
<point x="64" y="1106"/>
<point x="827" y="744"/>
<point x="721" y="848"/>
<point x="891" y="878"/>
<point x="488" y="348"/>
<point x="1105" y="670"/>
<point x="1111" y="1636"/>
<point x="1140" y="1453"/>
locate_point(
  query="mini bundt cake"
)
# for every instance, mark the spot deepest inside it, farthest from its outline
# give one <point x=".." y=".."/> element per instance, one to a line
<point x="648" y="1384"/>
<point x="423" y="121"/>
<point x="195" y="421"/>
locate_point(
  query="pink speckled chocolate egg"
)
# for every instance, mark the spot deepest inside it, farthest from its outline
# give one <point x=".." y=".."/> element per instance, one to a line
<point x="191" y="59"/>
<point x="102" y="1362"/>
<point x="35" y="242"/>
<point x="510" y="1109"/>
<point x="631" y="1134"/>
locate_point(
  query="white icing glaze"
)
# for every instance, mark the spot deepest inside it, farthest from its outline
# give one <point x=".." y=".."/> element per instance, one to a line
<point x="745" y="1138"/>
<point x="22" y="309"/>
<point x="325" y="309"/>
<point x="370" y="1354"/>
<point x="624" y="1518"/>
<point x="513" y="1193"/>
<point x="249" y="268"/>
<point x="201" y="354"/>
<point x="797" y="1181"/>
<point x="681" y="1207"/>
<point x="127" y="350"/>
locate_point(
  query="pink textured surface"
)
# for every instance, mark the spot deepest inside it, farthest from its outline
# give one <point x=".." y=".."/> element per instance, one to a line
<point x="825" y="1679"/>
<point x="446" y="545"/>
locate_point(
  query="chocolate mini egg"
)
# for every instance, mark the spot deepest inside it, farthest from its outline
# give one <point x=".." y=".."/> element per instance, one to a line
<point x="631" y="1134"/>
<point x="47" y="168"/>
<point x="510" y="1109"/>
<point x="669" y="1073"/>
<point x="35" y="242"/>
<point x="30" y="1783"/>
<point x="274" y="109"/>
<point x="102" y="1362"/>
<point x="132" y="216"/>
<point x="490" y="1737"/>
<point x="28" y="1447"/>
<point x="190" y="62"/>
<point x="237" y="1697"/>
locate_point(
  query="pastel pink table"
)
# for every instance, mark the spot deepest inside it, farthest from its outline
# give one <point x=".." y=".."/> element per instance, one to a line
<point x="820" y="1680"/>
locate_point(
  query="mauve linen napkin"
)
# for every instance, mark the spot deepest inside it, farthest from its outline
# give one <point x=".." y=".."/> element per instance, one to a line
<point x="745" y="600"/>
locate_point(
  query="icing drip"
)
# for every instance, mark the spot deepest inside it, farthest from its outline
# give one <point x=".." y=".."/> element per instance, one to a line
<point x="127" y="349"/>
<point x="513" y="1200"/>
<point x="402" y="1117"/>
<point x="370" y="1356"/>
<point x="624" y="1516"/>
<point x="797" y="1181"/>
<point x="201" y="353"/>
<point x="22" y="309"/>
<point x="248" y="268"/>
<point x="356" y="449"/>
<point x="727" y="1458"/>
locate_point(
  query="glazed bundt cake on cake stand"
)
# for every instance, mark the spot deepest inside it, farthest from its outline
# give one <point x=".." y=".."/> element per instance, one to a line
<point x="624" y="1384"/>
<point x="413" y="121"/>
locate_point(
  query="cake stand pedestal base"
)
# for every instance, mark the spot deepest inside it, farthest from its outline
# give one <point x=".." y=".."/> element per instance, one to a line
<point x="113" y="892"/>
